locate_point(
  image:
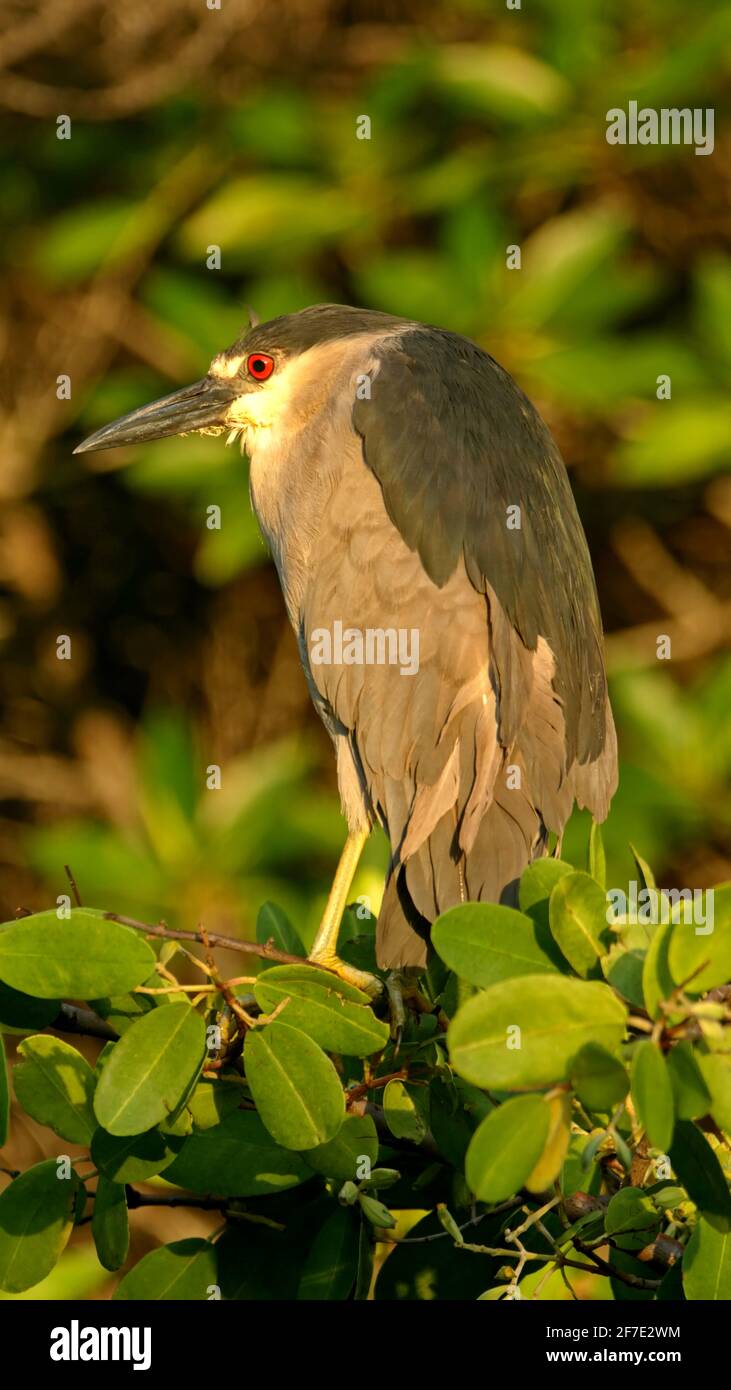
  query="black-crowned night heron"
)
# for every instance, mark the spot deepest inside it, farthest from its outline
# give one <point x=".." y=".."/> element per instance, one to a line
<point x="438" y="579"/>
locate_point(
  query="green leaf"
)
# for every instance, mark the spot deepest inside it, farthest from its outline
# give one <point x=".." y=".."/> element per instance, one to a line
<point x="124" y="1009"/>
<point x="691" y="949"/>
<point x="599" y="1079"/>
<point x="707" y="1264"/>
<point x="698" y="1169"/>
<point x="22" y="1013"/>
<point x="536" y="885"/>
<point x="81" y="957"/>
<point x="452" y="1124"/>
<point x="506" y="1147"/>
<point x="597" y="855"/>
<point x="110" y="1224"/>
<point x="4" y="1097"/>
<point x="382" y="1178"/>
<point x="36" y="1218"/>
<point x="133" y="1157"/>
<point x="523" y="1034"/>
<point x="577" y="914"/>
<point x="647" y="878"/>
<point x="484" y="943"/>
<point x="273" y="927"/>
<point x="237" y="1158"/>
<point x="151" y="1070"/>
<point x="364" y="1277"/>
<point x="402" y="1115"/>
<point x="332" y="1264"/>
<point x="342" y="1158"/>
<point x="55" y="1086"/>
<point x="295" y="1086"/>
<point x="657" y="982"/>
<point x="184" y="1270"/>
<point x="334" y="1014"/>
<point x="549" y="1164"/>
<point x="631" y="1218"/>
<point x="716" y="1071"/>
<point x="692" y="1096"/>
<point x="211" y="1101"/>
<point x="376" y="1212"/>
<point x="580" y="1174"/>
<point x="652" y="1094"/>
<point x="622" y="969"/>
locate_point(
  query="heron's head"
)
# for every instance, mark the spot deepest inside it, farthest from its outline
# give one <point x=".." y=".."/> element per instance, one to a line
<point x="276" y="377"/>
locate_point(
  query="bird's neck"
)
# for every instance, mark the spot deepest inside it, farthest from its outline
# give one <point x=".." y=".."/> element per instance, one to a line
<point x="291" y="479"/>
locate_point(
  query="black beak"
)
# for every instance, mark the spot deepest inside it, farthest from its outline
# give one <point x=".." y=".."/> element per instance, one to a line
<point x="202" y="405"/>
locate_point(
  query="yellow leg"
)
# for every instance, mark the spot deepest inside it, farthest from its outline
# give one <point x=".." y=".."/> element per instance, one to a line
<point x="324" y="947"/>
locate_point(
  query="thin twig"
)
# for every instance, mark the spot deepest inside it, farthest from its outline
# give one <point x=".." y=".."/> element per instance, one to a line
<point x="74" y="888"/>
<point x="441" y="1235"/>
<point x="227" y="943"/>
<point x="634" y="1280"/>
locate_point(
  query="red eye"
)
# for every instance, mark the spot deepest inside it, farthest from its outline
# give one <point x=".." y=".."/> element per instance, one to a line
<point x="260" y="365"/>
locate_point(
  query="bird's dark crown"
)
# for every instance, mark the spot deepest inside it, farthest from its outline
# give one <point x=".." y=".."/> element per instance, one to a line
<point x="295" y="333"/>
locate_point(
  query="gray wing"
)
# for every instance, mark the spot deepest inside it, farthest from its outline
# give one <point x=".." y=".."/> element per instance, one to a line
<point x="454" y="443"/>
<point x="470" y="762"/>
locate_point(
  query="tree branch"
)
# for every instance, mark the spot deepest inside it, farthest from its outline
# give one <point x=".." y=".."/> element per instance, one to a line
<point x="136" y="1199"/>
<point x="227" y="943"/>
<point x="603" y="1266"/>
<point x="71" y="1019"/>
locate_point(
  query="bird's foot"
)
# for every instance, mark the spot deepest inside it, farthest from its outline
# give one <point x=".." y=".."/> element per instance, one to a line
<point x="361" y="979"/>
<point x="403" y="992"/>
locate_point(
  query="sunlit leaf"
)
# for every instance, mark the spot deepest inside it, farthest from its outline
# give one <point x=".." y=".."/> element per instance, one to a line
<point x="578" y="918"/>
<point x="184" y="1270"/>
<point x="556" y="1144"/>
<point x="652" y="1094"/>
<point x="707" y="1263"/>
<point x="525" y="1033"/>
<point x="36" y="1218"/>
<point x="81" y="957"/>
<point x="402" y="1114"/>
<point x="506" y="1147"/>
<point x="295" y="1086"/>
<point x="336" y="1015"/>
<point x="150" y="1070"/>
<point x="485" y="942"/>
<point x="55" y="1086"/>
